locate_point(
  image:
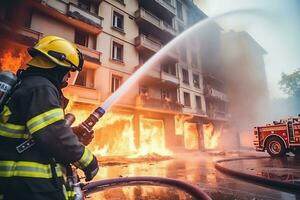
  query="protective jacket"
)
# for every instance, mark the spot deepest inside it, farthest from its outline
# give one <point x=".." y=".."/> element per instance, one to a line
<point x="35" y="111"/>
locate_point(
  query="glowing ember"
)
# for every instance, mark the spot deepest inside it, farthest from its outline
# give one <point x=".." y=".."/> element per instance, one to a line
<point x="211" y="136"/>
<point x="190" y="136"/>
<point x="12" y="60"/>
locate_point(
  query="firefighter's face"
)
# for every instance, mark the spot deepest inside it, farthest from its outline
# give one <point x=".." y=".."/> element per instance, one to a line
<point x="65" y="80"/>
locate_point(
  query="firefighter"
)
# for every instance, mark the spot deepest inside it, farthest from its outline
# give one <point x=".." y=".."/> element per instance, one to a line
<point x="35" y="111"/>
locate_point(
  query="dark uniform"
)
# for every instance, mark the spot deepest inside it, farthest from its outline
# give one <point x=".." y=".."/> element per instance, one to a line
<point x="34" y="110"/>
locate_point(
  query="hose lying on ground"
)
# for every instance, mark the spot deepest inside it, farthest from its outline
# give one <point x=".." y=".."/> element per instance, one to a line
<point x="146" y="180"/>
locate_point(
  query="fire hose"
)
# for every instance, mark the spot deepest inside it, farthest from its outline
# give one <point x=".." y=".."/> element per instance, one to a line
<point x="145" y="180"/>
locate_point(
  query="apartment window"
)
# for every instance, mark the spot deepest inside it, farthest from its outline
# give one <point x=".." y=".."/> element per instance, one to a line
<point x="169" y="68"/>
<point x="85" y="5"/>
<point x="85" y="78"/>
<point x="115" y="82"/>
<point x="198" y="102"/>
<point x="117" y="52"/>
<point x="196" y="80"/>
<point x="185" y="76"/>
<point x="179" y="10"/>
<point x="118" y="20"/>
<point x="187" y="99"/>
<point x="81" y="37"/>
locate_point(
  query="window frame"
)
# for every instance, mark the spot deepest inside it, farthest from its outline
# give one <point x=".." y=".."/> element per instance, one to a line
<point x="180" y="16"/>
<point x="113" y="79"/>
<point x="115" y="17"/>
<point x="198" y="102"/>
<point x="81" y="33"/>
<point x="187" y="95"/>
<point x="86" y="71"/>
<point x="185" y="80"/>
<point x="196" y="84"/>
<point x="114" y="52"/>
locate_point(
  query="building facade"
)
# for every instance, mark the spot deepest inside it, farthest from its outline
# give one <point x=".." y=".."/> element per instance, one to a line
<point x="181" y="92"/>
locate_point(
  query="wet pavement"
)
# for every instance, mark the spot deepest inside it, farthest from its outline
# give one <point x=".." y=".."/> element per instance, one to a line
<point x="285" y="169"/>
<point x="198" y="169"/>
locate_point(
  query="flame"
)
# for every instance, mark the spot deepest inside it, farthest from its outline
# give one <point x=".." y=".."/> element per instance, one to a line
<point x="152" y="137"/>
<point x="115" y="133"/>
<point x="211" y="136"/>
<point x="190" y="136"/>
<point x="12" y="60"/>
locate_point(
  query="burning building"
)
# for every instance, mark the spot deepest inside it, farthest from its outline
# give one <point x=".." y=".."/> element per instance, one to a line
<point x="170" y="108"/>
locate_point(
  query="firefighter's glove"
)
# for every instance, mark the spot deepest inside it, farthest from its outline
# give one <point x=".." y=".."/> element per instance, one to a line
<point x="91" y="171"/>
<point x="84" y="135"/>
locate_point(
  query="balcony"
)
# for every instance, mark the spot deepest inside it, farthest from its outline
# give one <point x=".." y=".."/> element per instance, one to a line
<point x="169" y="78"/>
<point x="213" y="93"/>
<point x="154" y="25"/>
<point x="219" y="115"/>
<point x="23" y="35"/>
<point x="199" y="111"/>
<point x="159" y="104"/>
<point x="147" y="45"/>
<point x="153" y="72"/>
<point x="70" y="14"/>
<point x="82" y="94"/>
<point x="90" y="54"/>
<point x="162" y="6"/>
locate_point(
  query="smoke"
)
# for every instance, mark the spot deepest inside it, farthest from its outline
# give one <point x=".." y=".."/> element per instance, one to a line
<point x="233" y="64"/>
<point x="246" y="83"/>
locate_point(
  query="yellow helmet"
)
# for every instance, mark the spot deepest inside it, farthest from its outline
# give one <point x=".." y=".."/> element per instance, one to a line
<point x="52" y="50"/>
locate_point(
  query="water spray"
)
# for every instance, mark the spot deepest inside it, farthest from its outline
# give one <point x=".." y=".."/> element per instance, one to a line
<point x="89" y="123"/>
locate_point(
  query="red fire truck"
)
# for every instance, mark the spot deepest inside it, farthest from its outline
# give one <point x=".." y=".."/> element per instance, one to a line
<point x="278" y="138"/>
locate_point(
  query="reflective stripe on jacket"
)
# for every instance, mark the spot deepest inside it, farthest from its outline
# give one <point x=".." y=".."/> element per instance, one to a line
<point x="34" y="111"/>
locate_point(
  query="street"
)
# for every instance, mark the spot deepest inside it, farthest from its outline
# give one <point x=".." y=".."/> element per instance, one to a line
<point x="196" y="168"/>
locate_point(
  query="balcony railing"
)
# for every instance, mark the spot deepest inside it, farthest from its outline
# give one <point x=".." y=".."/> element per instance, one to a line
<point x="200" y="111"/>
<point x="23" y="35"/>
<point x="218" y="114"/>
<point x="90" y="53"/>
<point x="83" y="94"/>
<point x="211" y="92"/>
<point x="170" y="78"/>
<point x="169" y="6"/>
<point x="85" y="19"/>
<point x="148" y="43"/>
<point x="84" y="15"/>
<point x="142" y="101"/>
<point x="29" y="33"/>
<point x="147" y="16"/>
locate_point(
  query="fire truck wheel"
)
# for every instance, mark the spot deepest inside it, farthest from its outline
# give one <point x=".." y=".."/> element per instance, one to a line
<point x="275" y="147"/>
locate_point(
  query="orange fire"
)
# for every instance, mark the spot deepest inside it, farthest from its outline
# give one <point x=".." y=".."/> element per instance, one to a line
<point x="191" y="136"/>
<point x="12" y="60"/>
<point x="115" y="136"/>
<point x="211" y="136"/>
<point x="152" y="137"/>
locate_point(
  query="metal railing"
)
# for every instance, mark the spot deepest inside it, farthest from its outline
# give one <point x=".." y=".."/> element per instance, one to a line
<point x="148" y="43"/>
<point x="212" y="92"/>
<point x="75" y="11"/>
<point x="90" y="52"/>
<point x="148" y="16"/>
<point x="155" y="103"/>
